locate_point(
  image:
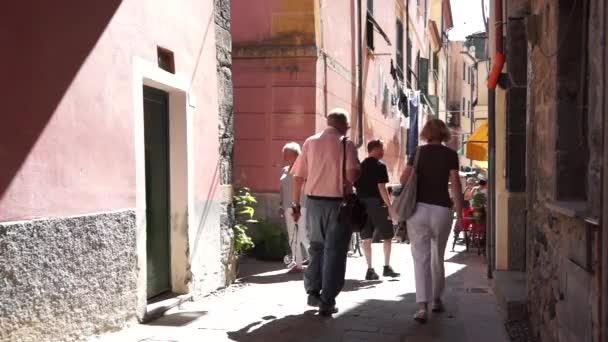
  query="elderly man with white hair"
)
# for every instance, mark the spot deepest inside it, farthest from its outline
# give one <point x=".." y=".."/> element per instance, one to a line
<point x="296" y="230"/>
<point x="320" y="166"/>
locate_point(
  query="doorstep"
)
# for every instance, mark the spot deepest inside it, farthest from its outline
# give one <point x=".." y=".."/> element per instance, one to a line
<point x="157" y="308"/>
<point x="511" y="295"/>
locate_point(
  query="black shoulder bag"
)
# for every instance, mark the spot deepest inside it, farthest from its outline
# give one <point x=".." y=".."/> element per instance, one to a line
<point x="352" y="212"/>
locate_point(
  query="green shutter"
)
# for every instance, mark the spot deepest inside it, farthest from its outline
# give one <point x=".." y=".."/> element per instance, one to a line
<point x="399" y="52"/>
<point x="423" y="75"/>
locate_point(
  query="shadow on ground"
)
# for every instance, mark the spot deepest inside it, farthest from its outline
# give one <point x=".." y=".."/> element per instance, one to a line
<point x="178" y="319"/>
<point x="250" y="266"/>
<point x="272" y="278"/>
<point x="372" y="320"/>
<point x="356" y="284"/>
<point x="467" y="304"/>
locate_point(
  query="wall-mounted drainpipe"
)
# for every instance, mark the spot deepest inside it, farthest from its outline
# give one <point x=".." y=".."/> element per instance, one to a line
<point x="359" y="17"/>
<point x="499" y="61"/>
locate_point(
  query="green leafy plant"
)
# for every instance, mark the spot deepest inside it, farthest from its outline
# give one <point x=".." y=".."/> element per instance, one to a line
<point x="244" y="214"/>
<point x="270" y="242"/>
<point x="478" y="203"/>
<point x="478" y="200"/>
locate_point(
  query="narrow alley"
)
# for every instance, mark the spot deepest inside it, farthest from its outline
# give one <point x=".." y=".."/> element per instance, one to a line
<point x="268" y="304"/>
<point x="155" y="155"/>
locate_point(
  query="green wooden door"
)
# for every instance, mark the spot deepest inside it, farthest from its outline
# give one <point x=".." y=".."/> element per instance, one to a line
<point x="156" y="123"/>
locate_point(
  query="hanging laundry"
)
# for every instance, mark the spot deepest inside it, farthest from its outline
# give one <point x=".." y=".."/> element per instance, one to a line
<point x="403" y="103"/>
<point x="385" y="99"/>
<point x="412" y="133"/>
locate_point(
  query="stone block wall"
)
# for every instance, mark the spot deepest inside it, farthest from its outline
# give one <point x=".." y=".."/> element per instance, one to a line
<point x="562" y="247"/>
<point x="83" y="267"/>
<point x="223" y="45"/>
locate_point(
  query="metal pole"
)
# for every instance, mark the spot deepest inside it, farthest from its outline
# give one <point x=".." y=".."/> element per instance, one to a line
<point x="359" y="18"/>
<point x="491" y="180"/>
<point x="604" y="199"/>
<point x="498" y="64"/>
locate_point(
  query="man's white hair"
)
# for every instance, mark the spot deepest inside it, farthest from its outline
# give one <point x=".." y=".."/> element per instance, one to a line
<point x="338" y="116"/>
<point x="293" y="147"/>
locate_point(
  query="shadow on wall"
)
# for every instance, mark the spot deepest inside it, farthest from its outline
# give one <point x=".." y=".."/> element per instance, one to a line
<point x="48" y="43"/>
<point x="208" y="206"/>
<point x="394" y="149"/>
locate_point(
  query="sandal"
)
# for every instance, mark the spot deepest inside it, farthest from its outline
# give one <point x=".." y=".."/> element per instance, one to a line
<point x="420" y="316"/>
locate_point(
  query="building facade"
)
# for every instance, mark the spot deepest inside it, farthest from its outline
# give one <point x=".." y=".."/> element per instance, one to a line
<point x="296" y="60"/>
<point x="550" y="145"/>
<point x="116" y="154"/>
<point x="467" y="102"/>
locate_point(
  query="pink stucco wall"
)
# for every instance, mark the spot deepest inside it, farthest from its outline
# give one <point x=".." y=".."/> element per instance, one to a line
<point x="67" y="141"/>
<point x="252" y="20"/>
<point x="338" y="41"/>
<point x="274" y="103"/>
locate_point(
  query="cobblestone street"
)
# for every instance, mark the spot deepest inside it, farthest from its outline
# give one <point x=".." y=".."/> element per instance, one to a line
<point x="268" y="304"/>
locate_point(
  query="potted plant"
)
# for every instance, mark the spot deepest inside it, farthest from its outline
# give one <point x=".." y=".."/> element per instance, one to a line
<point x="478" y="203"/>
<point x="243" y="202"/>
<point x="270" y="241"/>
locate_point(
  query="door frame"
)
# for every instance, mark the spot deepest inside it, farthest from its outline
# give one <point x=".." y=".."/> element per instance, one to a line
<point x="604" y="200"/>
<point x="154" y="94"/>
<point x="181" y="106"/>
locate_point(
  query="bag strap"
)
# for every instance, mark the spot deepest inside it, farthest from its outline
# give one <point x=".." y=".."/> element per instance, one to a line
<point x="344" y="167"/>
<point x="416" y="158"/>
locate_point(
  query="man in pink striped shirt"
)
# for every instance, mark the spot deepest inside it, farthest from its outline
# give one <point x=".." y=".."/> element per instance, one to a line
<point x="319" y="169"/>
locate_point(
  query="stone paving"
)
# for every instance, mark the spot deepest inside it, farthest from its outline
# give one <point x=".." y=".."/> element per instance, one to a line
<point x="268" y="304"/>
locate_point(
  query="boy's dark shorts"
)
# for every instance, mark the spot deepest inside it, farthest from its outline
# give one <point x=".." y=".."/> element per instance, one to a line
<point x="378" y="225"/>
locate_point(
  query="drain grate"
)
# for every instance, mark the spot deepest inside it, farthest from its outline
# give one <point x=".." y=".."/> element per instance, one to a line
<point x="470" y="290"/>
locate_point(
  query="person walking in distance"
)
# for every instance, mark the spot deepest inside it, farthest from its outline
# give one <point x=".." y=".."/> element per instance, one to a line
<point x="436" y="166"/>
<point x="296" y="230"/>
<point x="371" y="189"/>
<point x="319" y="167"/>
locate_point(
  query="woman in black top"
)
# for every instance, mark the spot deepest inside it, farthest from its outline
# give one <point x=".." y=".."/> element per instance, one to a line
<point x="429" y="227"/>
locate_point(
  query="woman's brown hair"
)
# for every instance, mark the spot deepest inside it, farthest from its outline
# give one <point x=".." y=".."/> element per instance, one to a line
<point x="435" y="130"/>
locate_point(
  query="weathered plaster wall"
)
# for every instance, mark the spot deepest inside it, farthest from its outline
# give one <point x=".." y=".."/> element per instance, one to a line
<point x="66" y="278"/>
<point x="273" y="22"/>
<point x="274" y="94"/>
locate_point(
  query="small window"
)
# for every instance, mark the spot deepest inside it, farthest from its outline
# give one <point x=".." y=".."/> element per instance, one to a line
<point x="369" y="27"/>
<point x="464" y="110"/>
<point x="425" y="14"/>
<point x="464" y="71"/>
<point x="408" y="58"/>
<point x="468" y="109"/>
<point x="436" y="63"/>
<point x="423" y="75"/>
<point x="166" y="60"/>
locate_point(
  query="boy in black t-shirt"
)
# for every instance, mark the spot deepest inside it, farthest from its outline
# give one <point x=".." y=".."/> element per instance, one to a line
<point x="371" y="189"/>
